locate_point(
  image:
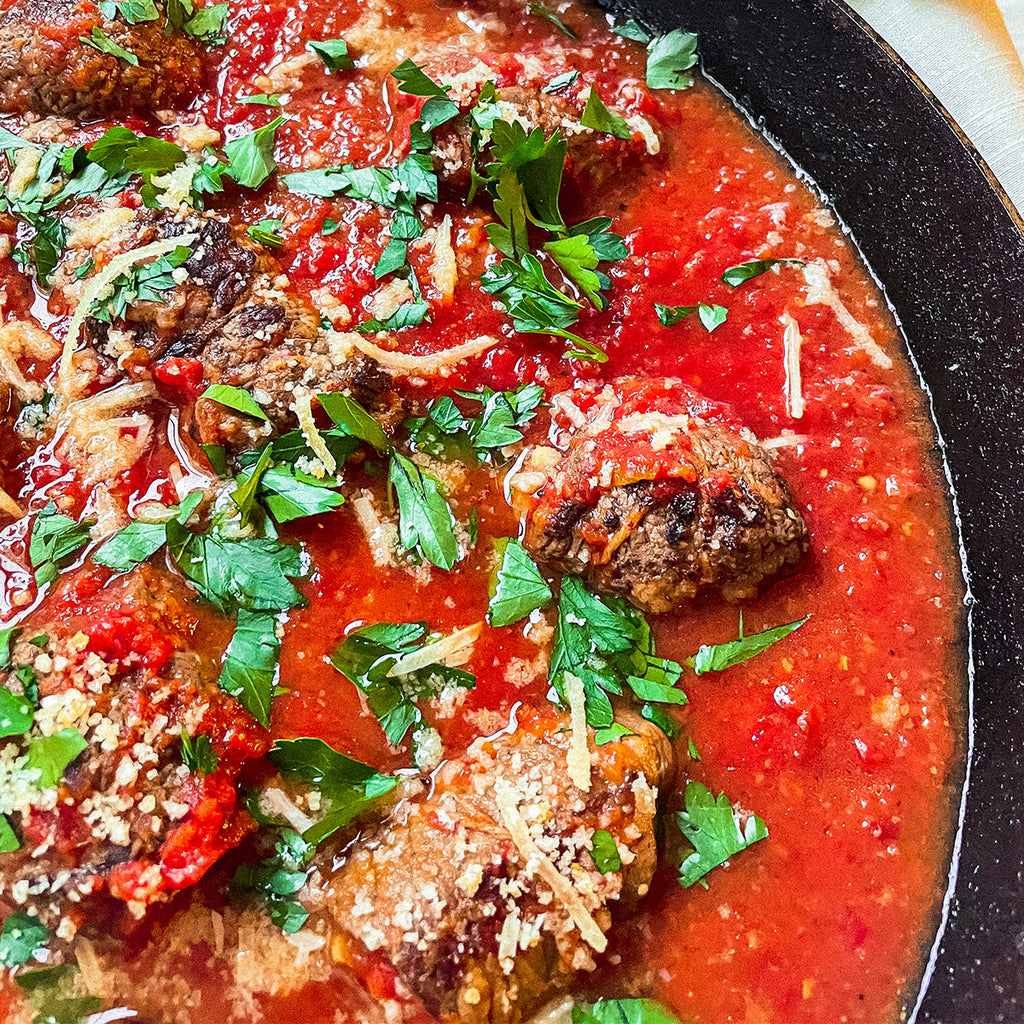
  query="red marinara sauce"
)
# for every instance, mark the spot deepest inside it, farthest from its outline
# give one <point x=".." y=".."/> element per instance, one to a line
<point x="845" y="738"/>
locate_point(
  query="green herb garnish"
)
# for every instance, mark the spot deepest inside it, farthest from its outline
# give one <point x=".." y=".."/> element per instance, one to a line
<point x="519" y="588"/>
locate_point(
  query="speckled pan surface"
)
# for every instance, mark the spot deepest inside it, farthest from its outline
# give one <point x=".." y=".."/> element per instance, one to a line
<point x="949" y="252"/>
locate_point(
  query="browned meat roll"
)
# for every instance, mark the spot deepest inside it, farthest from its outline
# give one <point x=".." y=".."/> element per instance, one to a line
<point x="490" y="890"/>
<point x="97" y="788"/>
<point x="45" y="67"/>
<point x="656" y="493"/>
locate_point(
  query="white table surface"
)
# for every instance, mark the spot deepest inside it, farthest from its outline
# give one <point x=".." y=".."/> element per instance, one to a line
<point x="968" y="52"/>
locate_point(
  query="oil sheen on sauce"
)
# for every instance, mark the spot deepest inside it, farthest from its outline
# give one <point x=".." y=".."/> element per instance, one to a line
<point x="845" y="738"/>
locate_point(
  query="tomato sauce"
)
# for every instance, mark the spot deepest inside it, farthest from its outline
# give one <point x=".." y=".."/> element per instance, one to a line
<point x="846" y="737"/>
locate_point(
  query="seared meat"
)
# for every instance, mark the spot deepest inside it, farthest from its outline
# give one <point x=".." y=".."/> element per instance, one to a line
<point x="235" y="312"/>
<point x="656" y="494"/>
<point x="112" y="681"/>
<point x="591" y="156"/>
<point x="481" y="892"/>
<point x="44" y="66"/>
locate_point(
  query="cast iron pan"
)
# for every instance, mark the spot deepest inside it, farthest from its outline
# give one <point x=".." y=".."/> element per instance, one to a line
<point x="949" y="251"/>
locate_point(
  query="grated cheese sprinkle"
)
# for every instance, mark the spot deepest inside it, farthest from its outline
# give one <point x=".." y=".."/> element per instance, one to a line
<point x="791" y="341"/>
<point x="562" y="888"/>
<point x="304" y="412"/>
<point x="453" y="650"/>
<point x="578" y="757"/>
<point x="402" y="362"/>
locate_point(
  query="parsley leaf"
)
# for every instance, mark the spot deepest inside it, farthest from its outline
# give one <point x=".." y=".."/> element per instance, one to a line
<point x="713" y="829"/>
<point x="608" y="645"/>
<point x="561" y="81"/>
<point x="668" y="57"/>
<point x="409" y="314"/>
<point x="578" y="260"/>
<point x="148" y="282"/>
<point x="710" y="316"/>
<point x="197" y="753"/>
<point x="631" y="30"/>
<point x="234" y="398"/>
<point x="426" y="524"/>
<point x="519" y="588"/>
<point x="208" y="24"/>
<point x="352" y="418"/>
<point x="542" y="12"/>
<point x="50" y="992"/>
<point x="8" y="837"/>
<point x="414" y="81"/>
<point x="251" y="157"/>
<point x="718" y="657"/>
<point x="250" y="663"/>
<point x="604" y="852"/>
<point x="21" y="937"/>
<point x="742" y="272"/>
<point x="348" y="787"/>
<point x="446" y="433"/>
<point x="250" y="572"/>
<point x="55" y="541"/>
<point x="132" y="12"/>
<point x="278" y="878"/>
<point x="288" y="494"/>
<point x="16" y="713"/>
<point x="99" y="40"/>
<point x="333" y="52"/>
<point x="368" y="657"/>
<point x="535" y="305"/>
<point x="52" y="754"/>
<point x="141" y="539"/>
<point x="622" y="1011"/>
<point x="262" y="99"/>
<point x="597" y="116"/>
<point x="266" y="232"/>
<point x="6" y="641"/>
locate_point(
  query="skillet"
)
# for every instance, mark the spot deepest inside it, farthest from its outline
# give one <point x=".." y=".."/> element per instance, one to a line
<point x="948" y="249"/>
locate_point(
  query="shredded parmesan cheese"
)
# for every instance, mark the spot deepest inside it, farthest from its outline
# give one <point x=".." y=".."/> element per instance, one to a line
<point x="562" y="888"/>
<point x="99" y="288"/>
<point x="444" y="271"/>
<point x="304" y="412"/>
<point x="791" y="341"/>
<point x="453" y="650"/>
<point x="578" y="757"/>
<point x="401" y="362"/>
<point x="821" y="292"/>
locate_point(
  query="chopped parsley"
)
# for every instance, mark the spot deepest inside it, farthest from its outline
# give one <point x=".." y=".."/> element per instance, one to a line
<point x="447" y="433"/>
<point x="347" y="787"/>
<point x="208" y="24"/>
<point x="597" y="116"/>
<point x="51" y="993"/>
<point x="8" y="837"/>
<point x="718" y="657"/>
<point x="669" y="57"/>
<point x="414" y="81"/>
<point x="21" y="938"/>
<point x="561" y="81"/>
<point x="426" y="524"/>
<point x="266" y="232"/>
<point x="622" y="1011"/>
<point x="371" y="659"/>
<point x="52" y="754"/>
<point x="742" y="272"/>
<point x="710" y="316"/>
<point x="713" y="828"/>
<point x="55" y="541"/>
<point x="250" y="663"/>
<point x="608" y="645"/>
<point x="132" y="12"/>
<point x="251" y="157"/>
<point x="197" y="753"/>
<point x="148" y="282"/>
<point x="604" y="852"/>
<point x="519" y="588"/>
<point x="276" y="880"/>
<point x="409" y="314"/>
<point x="16" y="713"/>
<point x="262" y="99"/>
<point x="234" y="398"/>
<point x="99" y="40"/>
<point x="333" y="52"/>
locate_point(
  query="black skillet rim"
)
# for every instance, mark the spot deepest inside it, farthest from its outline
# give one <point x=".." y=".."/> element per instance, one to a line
<point x="948" y="248"/>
